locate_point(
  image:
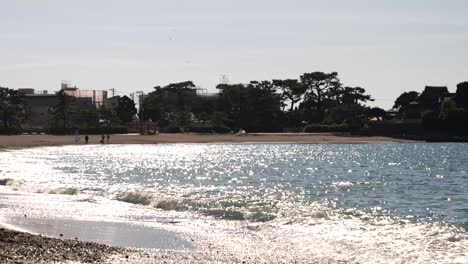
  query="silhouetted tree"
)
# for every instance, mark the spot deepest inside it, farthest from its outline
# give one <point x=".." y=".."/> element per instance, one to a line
<point x="88" y="118"/>
<point x="376" y="112"/>
<point x="446" y="107"/>
<point x="354" y="115"/>
<point x="65" y="113"/>
<point x="254" y="107"/>
<point x="355" y="95"/>
<point x="405" y="99"/>
<point x="319" y="86"/>
<point x="292" y="91"/>
<point x="125" y="109"/>
<point x="462" y="95"/>
<point x="13" y="110"/>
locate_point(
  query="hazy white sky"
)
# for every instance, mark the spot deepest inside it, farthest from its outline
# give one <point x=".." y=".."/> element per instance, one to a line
<point x="385" y="46"/>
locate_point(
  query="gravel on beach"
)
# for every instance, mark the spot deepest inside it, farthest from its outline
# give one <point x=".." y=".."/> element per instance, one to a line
<point x="19" y="247"/>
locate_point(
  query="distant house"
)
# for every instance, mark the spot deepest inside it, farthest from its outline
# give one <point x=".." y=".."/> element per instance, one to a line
<point x="432" y="96"/>
<point x="39" y="104"/>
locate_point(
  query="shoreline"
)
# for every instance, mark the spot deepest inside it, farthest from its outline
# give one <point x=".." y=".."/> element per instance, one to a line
<point x="17" y="245"/>
<point x="20" y="247"/>
<point x="31" y="141"/>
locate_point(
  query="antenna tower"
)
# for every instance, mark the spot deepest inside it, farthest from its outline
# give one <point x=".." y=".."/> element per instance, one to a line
<point x="224" y="79"/>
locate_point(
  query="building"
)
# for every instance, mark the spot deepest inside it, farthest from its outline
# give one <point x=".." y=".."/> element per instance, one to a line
<point x="40" y="105"/>
<point x="432" y="96"/>
<point x="86" y="98"/>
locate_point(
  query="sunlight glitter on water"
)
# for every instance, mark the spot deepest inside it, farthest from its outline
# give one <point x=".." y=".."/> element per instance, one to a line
<point x="355" y="203"/>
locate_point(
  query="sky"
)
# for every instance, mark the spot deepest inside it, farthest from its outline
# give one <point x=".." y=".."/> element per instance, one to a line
<point x="385" y="46"/>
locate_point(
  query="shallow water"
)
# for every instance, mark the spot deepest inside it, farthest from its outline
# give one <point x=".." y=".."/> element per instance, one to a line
<point x="371" y="203"/>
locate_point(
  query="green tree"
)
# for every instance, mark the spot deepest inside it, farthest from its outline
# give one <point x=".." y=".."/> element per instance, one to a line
<point x="13" y="110"/>
<point x="160" y="104"/>
<point x="180" y="120"/>
<point x="125" y="109"/>
<point x="203" y="117"/>
<point x="402" y="102"/>
<point x="65" y="113"/>
<point x="108" y="117"/>
<point x="89" y="118"/>
<point x="152" y="106"/>
<point x="254" y="107"/>
<point x="353" y="115"/>
<point x="446" y="108"/>
<point x="219" y="121"/>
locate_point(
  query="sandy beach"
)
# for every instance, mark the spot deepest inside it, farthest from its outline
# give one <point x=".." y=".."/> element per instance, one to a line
<point x="20" y="247"/>
<point x="28" y="141"/>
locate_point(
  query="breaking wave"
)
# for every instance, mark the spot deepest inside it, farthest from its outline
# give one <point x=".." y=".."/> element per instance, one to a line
<point x="6" y="181"/>
<point x="135" y="198"/>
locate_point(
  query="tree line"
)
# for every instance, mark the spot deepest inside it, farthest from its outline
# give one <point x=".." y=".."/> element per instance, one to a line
<point x="314" y="100"/>
<point x="450" y="116"/>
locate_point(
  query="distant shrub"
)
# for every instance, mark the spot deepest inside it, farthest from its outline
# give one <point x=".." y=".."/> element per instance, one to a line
<point x="327" y="128"/>
<point x="209" y="129"/>
<point x="197" y="129"/>
<point x="90" y="131"/>
<point x="10" y="131"/>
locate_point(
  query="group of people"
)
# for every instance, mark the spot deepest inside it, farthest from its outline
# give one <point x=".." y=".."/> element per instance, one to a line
<point x="105" y="139"/>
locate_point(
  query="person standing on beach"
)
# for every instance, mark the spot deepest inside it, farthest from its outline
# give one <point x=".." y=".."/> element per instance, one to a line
<point x="86" y="139"/>
<point x="108" y="138"/>
<point x="77" y="135"/>
<point x="102" y="139"/>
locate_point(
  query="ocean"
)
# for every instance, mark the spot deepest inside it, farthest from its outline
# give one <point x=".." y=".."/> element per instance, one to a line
<point x="336" y="203"/>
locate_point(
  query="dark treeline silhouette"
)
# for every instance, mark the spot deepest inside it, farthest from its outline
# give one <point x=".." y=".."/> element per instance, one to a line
<point x="13" y="110"/>
<point x="315" y="101"/>
<point x="439" y="114"/>
<point x="451" y="116"/>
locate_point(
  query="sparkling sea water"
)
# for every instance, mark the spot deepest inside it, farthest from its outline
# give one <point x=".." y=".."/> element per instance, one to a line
<point x="357" y="203"/>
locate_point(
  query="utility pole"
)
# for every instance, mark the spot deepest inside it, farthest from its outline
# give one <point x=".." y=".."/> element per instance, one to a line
<point x="113" y="91"/>
<point x="224" y="79"/>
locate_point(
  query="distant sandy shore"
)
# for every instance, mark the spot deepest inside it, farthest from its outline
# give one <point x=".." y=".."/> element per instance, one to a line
<point x="27" y="141"/>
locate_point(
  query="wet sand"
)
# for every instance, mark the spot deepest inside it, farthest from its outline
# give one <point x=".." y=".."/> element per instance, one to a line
<point x="27" y="141"/>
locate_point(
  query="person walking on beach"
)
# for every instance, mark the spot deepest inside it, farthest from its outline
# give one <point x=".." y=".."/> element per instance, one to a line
<point x="102" y="139"/>
<point x="77" y="135"/>
<point x="108" y="138"/>
<point x="86" y="139"/>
